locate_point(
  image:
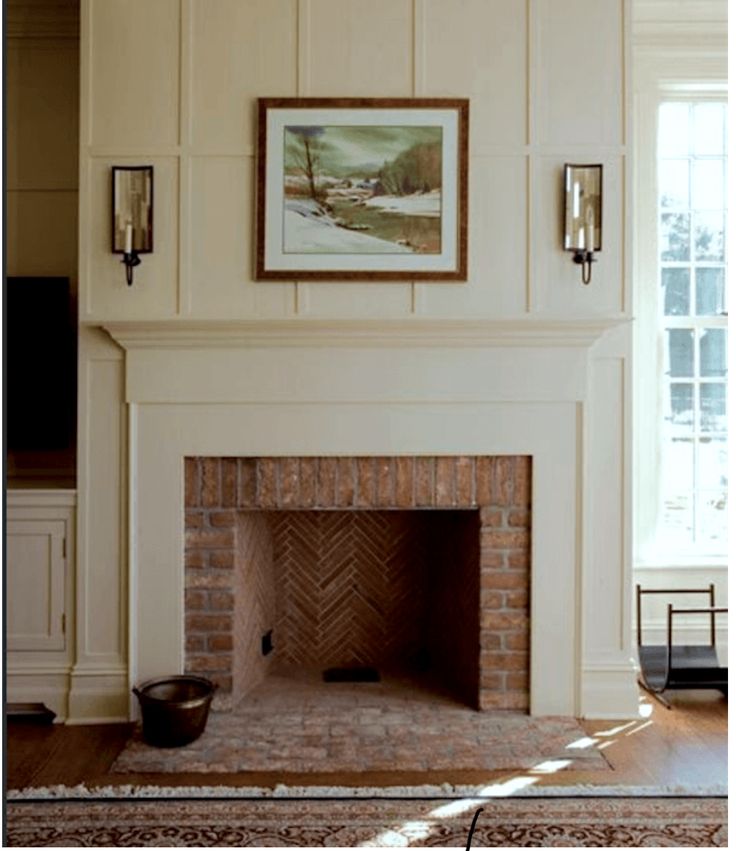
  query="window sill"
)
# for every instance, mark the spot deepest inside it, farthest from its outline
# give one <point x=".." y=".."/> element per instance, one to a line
<point x="702" y="563"/>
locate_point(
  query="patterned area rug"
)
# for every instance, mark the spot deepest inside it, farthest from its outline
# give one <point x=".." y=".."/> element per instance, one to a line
<point x="599" y="822"/>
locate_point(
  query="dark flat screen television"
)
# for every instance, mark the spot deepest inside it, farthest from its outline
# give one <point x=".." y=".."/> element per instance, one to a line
<point x="40" y="357"/>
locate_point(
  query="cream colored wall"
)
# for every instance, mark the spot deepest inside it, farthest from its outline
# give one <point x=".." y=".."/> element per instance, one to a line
<point x="173" y="83"/>
<point x="42" y="148"/>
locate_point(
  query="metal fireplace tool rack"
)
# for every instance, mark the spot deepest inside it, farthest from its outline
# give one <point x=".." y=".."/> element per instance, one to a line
<point x="680" y="666"/>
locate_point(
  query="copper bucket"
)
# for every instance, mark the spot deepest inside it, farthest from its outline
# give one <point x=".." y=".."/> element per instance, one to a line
<point x="174" y="709"/>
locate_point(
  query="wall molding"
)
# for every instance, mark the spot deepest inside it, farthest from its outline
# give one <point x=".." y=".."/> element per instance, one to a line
<point x="359" y="333"/>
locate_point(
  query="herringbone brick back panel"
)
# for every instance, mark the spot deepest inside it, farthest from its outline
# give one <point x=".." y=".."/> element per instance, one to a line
<point x="349" y="586"/>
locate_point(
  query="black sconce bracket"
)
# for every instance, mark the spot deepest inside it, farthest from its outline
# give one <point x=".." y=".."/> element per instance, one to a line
<point x="586" y="260"/>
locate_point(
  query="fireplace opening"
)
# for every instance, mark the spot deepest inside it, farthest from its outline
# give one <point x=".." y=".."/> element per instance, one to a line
<point x="415" y="568"/>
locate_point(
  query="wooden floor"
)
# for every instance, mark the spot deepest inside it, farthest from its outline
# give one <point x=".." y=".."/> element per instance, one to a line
<point x="685" y="745"/>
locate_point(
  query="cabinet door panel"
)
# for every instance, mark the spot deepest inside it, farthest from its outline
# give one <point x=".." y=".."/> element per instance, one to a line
<point x="35" y="577"/>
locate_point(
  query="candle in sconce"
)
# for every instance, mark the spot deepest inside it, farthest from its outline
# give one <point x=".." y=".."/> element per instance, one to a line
<point x="129" y="238"/>
<point x="589" y="229"/>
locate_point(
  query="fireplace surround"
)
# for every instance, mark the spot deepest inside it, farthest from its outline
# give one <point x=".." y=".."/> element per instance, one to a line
<point x="553" y="391"/>
<point x="361" y="560"/>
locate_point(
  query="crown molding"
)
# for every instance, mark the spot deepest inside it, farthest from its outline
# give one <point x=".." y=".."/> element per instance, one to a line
<point x="418" y="333"/>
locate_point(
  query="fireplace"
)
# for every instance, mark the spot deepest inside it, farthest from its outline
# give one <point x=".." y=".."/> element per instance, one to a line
<point x="409" y="564"/>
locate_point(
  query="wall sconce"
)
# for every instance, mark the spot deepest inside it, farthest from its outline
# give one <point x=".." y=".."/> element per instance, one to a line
<point x="132" y="214"/>
<point x="583" y="214"/>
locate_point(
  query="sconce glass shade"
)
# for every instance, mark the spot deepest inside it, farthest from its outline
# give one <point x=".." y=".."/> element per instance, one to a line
<point x="132" y="209"/>
<point x="583" y="207"/>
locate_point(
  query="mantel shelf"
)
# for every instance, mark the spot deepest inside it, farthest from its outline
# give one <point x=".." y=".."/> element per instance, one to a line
<point x="209" y="334"/>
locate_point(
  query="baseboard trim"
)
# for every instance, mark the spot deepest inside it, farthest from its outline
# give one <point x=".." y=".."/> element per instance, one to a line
<point x="609" y="691"/>
<point x="98" y="697"/>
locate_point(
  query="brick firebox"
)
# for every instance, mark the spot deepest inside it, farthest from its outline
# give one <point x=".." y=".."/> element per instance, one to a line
<point x="224" y="497"/>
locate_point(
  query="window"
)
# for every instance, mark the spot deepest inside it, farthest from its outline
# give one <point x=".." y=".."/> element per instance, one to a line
<point x="692" y="311"/>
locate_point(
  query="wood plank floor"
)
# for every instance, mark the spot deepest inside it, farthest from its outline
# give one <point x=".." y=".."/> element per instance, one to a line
<point x="684" y="745"/>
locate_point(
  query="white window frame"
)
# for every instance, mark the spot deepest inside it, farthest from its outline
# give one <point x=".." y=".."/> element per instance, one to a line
<point x="669" y="64"/>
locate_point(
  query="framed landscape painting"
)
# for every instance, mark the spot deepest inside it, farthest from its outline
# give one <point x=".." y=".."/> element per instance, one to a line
<point x="362" y="189"/>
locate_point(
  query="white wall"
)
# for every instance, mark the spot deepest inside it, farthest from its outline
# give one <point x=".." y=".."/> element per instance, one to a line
<point x="173" y="83"/>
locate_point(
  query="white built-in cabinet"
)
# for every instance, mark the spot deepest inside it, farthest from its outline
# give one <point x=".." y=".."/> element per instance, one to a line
<point x="40" y="594"/>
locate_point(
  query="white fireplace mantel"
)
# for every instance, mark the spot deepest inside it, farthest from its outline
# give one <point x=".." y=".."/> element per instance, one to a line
<point x="551" y="389"/>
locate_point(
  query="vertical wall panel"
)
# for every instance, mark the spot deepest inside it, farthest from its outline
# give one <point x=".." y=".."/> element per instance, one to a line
<point x="241" y="50"/>
<point x="154" y="289"/>
<point x="497" y="245"/>
<point x="477" y="49"/>
<point x="134" y="72"/>
<point x="556" y="281"/>
<point x="579" y="72"/>
<point x="357" y="48"/>
<point x="220" y="244"/>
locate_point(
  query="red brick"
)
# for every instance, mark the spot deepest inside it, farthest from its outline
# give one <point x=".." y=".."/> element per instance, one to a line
<point x="491" y="659"/>
<point x="211" y="495"/>
<point x="195" y="643"/>
<point x="222" y="519"/>
<point x="465" y="472"/>
<point x="424" y="481"/>
<point x="483" y="480"/>
<point x="490" y="640"/>
<point x="501" y="540"/>
<point x="247" y="482"/>
<point x="268" y="495"/>
<point x="385" y="482"/>
<point x="209" y="538"/>
<point x="517" y="681"/>
<point x="404" y="482"/>
<point x="229" y="482"/>
<point x="519" y="517"/>
<point x="307" y="482"/>
<point x="491" y="599"/>
<point x="491" y="558"/>
<point x="366" y="490"/>
<point x="326" y="481"/>
<point x="195" y="600"/>
<point x="289" y="481"/>
<point x="517" y="600"/>
<point x="195" y="558"/>
<point x="503" y="620"/>
<point x="493" y="680"/>
<point x="208" y="579"/>
<point x="444" y="483"/>
<point x="518" y="559"/>
<point x="491" y="516"/>
<point x="503" y="700"/>
<point x="208" y="623"/>
<point x="191" y="482"/>
<point x="523" y="481"/>
<point x="221" y="601"/>
<point x="197" y="663"/>
<point x="220" y="642"/>
<point x="503" y="579"/>
<point x="502" y="480"/>
<point x="516" y="640"/>
<point x="222" y="559"/>
<point x="345" y="481"/>
<point x="193" y="519"/>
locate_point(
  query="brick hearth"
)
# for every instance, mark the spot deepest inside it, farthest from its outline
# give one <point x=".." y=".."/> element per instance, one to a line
<point x="243" y="516"/>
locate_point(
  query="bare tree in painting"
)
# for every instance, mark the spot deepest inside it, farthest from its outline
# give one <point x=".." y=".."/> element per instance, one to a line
<point x="308" y="155"/>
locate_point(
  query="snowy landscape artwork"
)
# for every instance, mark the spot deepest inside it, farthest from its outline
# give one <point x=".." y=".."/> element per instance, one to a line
<point x="362" y="189"/>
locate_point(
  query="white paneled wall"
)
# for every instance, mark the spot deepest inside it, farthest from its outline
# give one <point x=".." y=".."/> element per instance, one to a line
<point x="174" y="83"/>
